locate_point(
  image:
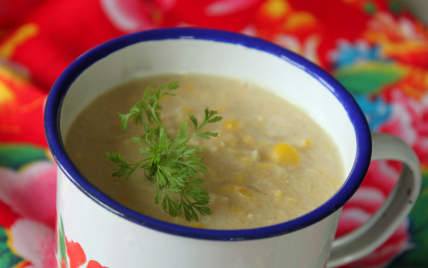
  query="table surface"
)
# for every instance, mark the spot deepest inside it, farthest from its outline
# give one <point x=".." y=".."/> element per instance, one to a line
<point x="375" y="48"/>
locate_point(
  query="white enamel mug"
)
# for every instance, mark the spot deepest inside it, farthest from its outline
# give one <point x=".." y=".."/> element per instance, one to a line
<point x="112" y="235"/>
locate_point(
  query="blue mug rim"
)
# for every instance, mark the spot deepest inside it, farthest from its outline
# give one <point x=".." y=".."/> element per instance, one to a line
<point x="65" y="80"/>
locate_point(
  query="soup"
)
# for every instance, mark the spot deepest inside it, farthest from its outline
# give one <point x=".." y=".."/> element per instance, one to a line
<point x="269" y="164"/>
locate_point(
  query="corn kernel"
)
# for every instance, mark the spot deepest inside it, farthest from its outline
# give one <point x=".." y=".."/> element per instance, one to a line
<point x="264" y="144"/>
<point x="245" y="160"/>
<point x="221" y="109"/>
<point x="196" y="225"/>
<point x="240" y="177"/>
<point x="307" y="142"/>
<point x="291" y="200"/>
<point x="189" y="87"/>
<point x="227" y="188"/>
<point x="244" y="192"/>
<point x="265" y="166"/>
<point x="231" y="124"/>
<point x="235" y="210"/>
<point x="333" y="182"/>
<point x="278" y="193"/>
<point x="285" y="153"/>
<point x="248" y="140"/>
<point x="187" y="110"/>
<point x="241" y="190"/>
<point x="231" y="150"/>
<point x="230" y="140"/>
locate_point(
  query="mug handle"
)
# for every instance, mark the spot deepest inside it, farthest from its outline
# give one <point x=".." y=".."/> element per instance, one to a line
<point x="397" y="206"/>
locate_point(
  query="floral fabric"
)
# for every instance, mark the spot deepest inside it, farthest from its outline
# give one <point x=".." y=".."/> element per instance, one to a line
<point x="375" y="48"/>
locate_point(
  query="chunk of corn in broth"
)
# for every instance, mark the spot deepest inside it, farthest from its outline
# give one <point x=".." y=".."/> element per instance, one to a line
<point x="291" y="201"/>
<point x="284" y="153"/>
<point x="254" y="155"/>
<point x="187" y="110"/>
<point x="190" y="87"/>
<point x="245" y="160"/>
<point x="304" y="144"/>
<point x="245" y="192"/>
<point x="236" y="210"/>
<point x="240" y="177"/>
<point x="265" y="166"/>
<point x="221" y="109"/>
<point x="231" y="125"/>
<point x="196" y="225"/>
<point x="248" y="140"/>
<point x="242" y="191"/>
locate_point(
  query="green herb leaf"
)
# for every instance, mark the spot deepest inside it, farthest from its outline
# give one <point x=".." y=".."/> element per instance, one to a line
<point x="169" y="163"/>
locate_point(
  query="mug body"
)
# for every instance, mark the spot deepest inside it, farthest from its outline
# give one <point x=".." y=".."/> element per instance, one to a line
<point x="115" y="236"/>
<point x="114" y="241"/>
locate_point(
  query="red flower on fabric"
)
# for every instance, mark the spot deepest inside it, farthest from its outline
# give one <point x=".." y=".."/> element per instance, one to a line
<point x="129" y="15"/>
<point x="409" y="121"/>
<point x="30" y="193"/>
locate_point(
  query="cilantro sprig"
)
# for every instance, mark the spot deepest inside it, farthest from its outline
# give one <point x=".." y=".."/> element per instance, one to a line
<point x="171" y="164"/>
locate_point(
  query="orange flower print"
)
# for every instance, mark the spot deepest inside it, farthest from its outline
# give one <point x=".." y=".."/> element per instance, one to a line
<point x="17" y="108"/>
<point x="279" y="17"/>
<point x="20" y="36"/>
<point x="274" y="10"/>
<point x="414" y="84"/>
<point x="75" y="253"/>
<point x="71" y="254"/>
<point x="94" y="264"/>
<point x="401" y="39"/>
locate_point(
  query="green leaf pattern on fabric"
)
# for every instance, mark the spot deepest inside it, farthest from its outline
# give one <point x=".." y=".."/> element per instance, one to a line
<point x="369" y="77"/>
<point x="17" y="156"/>
<point x="7" y="256"/>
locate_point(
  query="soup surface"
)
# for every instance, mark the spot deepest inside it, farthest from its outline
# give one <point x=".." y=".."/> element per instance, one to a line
<point x="270" y="163"/>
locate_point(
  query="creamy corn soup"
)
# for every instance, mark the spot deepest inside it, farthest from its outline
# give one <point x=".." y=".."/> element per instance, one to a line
<point x="270" y="162"/>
